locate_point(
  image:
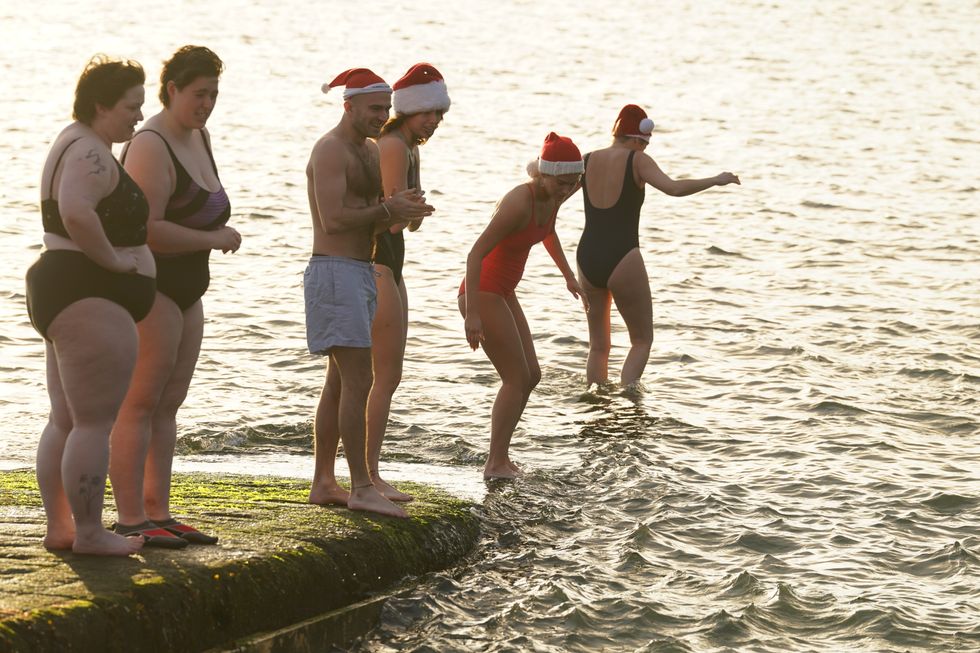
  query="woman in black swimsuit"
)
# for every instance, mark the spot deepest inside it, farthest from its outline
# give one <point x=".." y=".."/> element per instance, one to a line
<point x="420" y="100"/>
<point x="609" y="261"/>
<point x="85" y="293"/>
<point x="170" y="158"/>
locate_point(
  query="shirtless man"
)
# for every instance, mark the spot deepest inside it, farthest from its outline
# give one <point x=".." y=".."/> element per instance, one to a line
<point x="344" y="188"/>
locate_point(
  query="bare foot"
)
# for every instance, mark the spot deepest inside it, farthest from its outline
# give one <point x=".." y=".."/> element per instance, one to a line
<point x="388" y="492"/>
<point x="506" y="470"/>
<point x="107" y="543"/>
<point x="59" y="537"/>
<point x="368" y="499"/>
<point x="328" y="494"/>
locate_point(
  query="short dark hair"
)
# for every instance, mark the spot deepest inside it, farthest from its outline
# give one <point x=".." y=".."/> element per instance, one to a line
<point x="103" y="82"/>
<point x="187" y="64"/>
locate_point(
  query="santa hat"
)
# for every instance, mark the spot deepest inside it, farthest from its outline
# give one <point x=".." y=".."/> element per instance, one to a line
<point x="419" y="90"/>
<point x="357" y="81"/>
<point x="632" y="122"/>
<point x="559" y="156"/>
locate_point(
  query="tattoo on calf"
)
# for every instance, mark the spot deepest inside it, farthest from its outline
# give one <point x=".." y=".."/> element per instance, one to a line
<point x="92" y="489"/>
<point x="97" y="166"/>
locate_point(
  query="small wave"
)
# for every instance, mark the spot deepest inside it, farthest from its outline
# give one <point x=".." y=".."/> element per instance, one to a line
<point x="743" y="584"/>
<point x="766" y="543"/>
<point x="819" y="205"/>
<point x="289" y="438"/>
<point x="948" y="561"/>
<point x="714" y="249"/>
<point x="831" y="407"/>
<point x="938" y="373"/>
<point x="725" y="627"/>
<point x="951" y="504"/>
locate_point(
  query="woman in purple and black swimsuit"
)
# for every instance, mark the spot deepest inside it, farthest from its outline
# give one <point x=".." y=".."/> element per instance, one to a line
<point x="170" y="158"/>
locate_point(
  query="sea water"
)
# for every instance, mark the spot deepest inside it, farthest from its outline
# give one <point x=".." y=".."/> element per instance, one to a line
<point x="800" y="471"/>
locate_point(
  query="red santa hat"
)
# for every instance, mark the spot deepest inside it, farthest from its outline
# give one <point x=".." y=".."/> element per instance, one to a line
<point x="357" y="81"/>
<point x="560" y="156"/>
<point x="632" y="122"/>
<point x="420" y="89"/>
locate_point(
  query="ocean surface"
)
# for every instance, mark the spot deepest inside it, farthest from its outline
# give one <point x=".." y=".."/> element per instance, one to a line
<point x="801" y="471"/>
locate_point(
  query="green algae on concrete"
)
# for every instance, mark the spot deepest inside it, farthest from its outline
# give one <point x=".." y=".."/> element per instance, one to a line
<point x="279" y="561"/>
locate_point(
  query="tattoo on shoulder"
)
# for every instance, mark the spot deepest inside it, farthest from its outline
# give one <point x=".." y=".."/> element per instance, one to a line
<point x="97" y="166"/>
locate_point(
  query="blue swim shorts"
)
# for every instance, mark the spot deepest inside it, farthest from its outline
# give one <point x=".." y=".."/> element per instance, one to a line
<point x="341" y="298"/>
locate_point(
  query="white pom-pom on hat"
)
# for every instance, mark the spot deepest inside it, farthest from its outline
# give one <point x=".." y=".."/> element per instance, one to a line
<point x="646" y="126"/>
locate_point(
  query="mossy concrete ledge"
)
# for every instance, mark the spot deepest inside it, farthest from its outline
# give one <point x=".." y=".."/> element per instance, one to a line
<point x="280" y="561"/>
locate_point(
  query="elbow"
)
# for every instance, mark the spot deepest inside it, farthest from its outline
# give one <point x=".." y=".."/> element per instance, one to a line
<point x="72" y="221"/>
<point x="153" y="234"/>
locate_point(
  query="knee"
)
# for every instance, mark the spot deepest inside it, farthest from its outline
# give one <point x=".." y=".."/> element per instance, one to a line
<point x="169" y="404"/>
<point x="527" y="380"/>
<point x="359" y="387"/>
<point x="642" y="342"/>
<point x="387" y="379"/>
<point x="60" y="422"/>
<point x="533" y="378"/>
<point x="644" y="339"/>
<point x="599" y="346"/>
<point x="139" y="407"/>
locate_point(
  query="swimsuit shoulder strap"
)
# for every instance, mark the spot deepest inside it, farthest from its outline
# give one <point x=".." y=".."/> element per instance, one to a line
<point x="628" y="176"/>
<point x="207" y="147"/>
<point x="58" y="163"/>
<point x="166" y="144"/>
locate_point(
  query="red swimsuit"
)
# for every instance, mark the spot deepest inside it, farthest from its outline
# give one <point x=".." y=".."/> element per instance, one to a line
<point x="503" y="267"/>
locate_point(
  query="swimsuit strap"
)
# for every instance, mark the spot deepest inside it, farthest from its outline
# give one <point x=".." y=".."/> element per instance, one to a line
<point x="58" y="163"/>
<point x="585" y="189"/>
<point x="153" y="131"/>
<point x="207" y="147"/>
<point x="628" y="177"/>
<point x="183" y="177"/>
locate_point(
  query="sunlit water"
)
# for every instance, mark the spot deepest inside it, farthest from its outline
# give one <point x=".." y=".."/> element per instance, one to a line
<point x="800" y="472"/>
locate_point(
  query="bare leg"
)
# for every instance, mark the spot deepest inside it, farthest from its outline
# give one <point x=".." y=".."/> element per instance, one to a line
<point x="504" y="347"/>
<point x="354" y="366"/>
<point x="95" y="343"/>
<point x="326" y="437"/>
<point x="388" y="334"/>
<point x="630" y="288"/>
<point x="600" y="301"/>
<point x="163" y="438"/>
<point x="530" y="356"/>
<point x="159" y="342"/>
<point x="50" y="451"/>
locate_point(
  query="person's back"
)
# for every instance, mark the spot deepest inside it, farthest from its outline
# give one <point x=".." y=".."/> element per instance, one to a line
<point x="612" y="213"/>
<point x="611" y="267"/>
